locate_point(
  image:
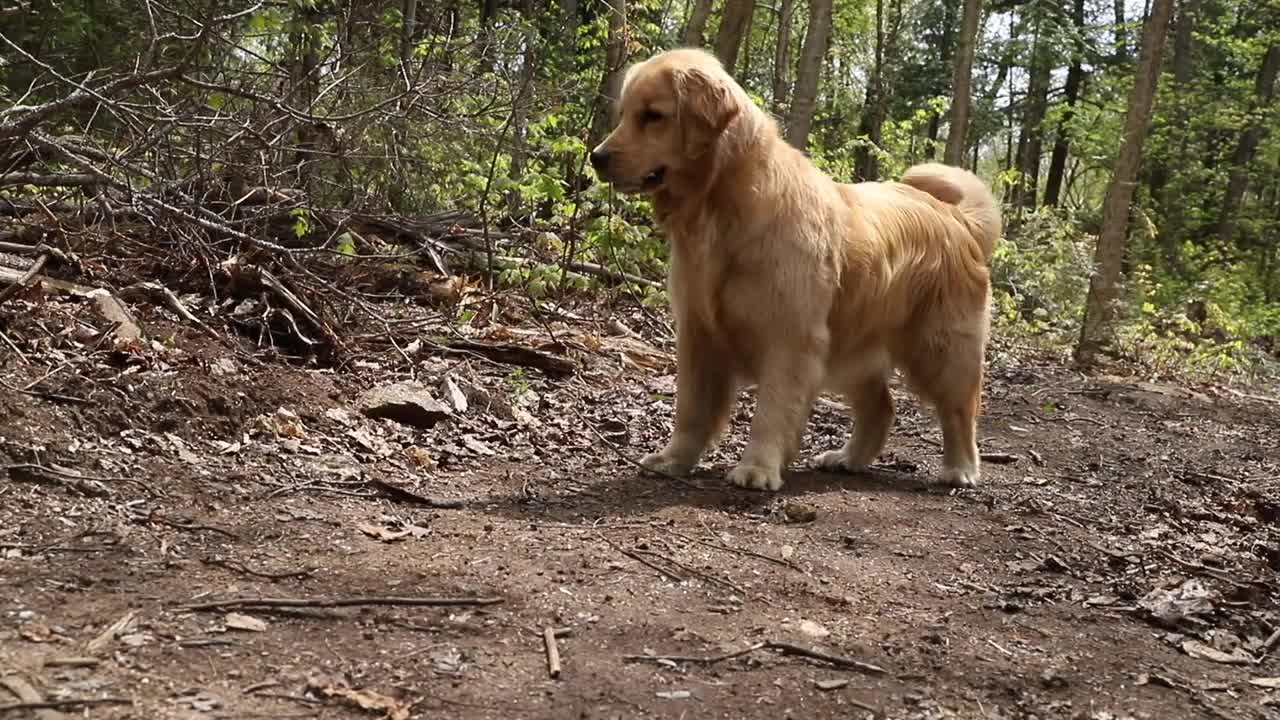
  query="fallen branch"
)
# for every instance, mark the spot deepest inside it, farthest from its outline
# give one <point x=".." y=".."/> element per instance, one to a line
<point x="24" y="280"/>
<point x="510" y="354"/>
<point x="369" y="601"/>
<point x="784" y="648"/>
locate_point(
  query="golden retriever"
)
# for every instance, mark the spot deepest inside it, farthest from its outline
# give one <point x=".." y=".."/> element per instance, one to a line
<point x="781" y="277"/>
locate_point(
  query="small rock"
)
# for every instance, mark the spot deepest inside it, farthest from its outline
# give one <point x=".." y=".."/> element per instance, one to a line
<point x="406" y="403"/>
<point x="223" y="366"/>
<point x="813" y="629"/>
<point x="798" y="512"/>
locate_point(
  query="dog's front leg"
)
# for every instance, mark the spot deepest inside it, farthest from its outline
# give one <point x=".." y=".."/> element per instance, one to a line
<point x="704" y="394"/>
<point x="785" y="396"/>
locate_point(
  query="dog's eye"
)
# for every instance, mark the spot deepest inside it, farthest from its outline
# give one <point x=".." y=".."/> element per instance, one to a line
<point x="649" y="116"/>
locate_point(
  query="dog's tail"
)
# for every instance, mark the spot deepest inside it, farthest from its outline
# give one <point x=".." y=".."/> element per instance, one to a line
<point x="963" y="189"/>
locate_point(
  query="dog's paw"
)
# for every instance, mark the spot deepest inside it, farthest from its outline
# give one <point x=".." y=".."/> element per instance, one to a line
<point x="664" y="464"/>
<point x="959" y="477"/>
<point x="835" y="461"/>
<point x="754" y="477"/>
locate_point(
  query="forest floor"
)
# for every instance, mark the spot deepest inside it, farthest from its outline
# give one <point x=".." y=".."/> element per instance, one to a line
<point x="1120" y="559"/>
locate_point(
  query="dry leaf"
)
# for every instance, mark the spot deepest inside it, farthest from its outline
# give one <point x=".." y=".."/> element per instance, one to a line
<point x="37" y="632"/>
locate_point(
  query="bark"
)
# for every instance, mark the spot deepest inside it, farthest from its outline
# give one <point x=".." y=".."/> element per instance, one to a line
<point x="615" y="58"/>
<point x="961" y="83"/>
<point x="782" y="56"/>
<point x="812" y="54"/>
<point x="1253" y="133"/>
<point x="1096" y="330"/>
<point x="1062" y="141"/>
<point x="733" y="26"/>
<point x="697" y="26"/>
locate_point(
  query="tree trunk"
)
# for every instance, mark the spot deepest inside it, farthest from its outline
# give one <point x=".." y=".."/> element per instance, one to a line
<point x="871" y="126"/>
<point x="1037" y="103"/>
<point x="782" y="57"/>
<point x="961" y="84"/>
<point x="697" y="25"/>
<point x="1264" y="89"/>
<point x="733" y="26"/>
<point x="615" y="55"/>
<point x="408" y="21"/>
<point x="804" y="99"/>
<point x="1121" y="51"/>
<point x="1062" y="142"/>
<point x="1183" y="51"/>
<point x="1096" y="330"/>
<point x="520" y="109"/>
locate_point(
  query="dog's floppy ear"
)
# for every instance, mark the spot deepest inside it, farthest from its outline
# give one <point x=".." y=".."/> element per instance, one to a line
<point x="705" y="107"/>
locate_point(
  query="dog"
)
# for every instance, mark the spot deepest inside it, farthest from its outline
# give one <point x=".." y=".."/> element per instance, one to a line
<point x="781" y="277"/>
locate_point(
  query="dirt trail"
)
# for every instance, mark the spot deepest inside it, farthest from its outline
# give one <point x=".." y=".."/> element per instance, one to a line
<point x="1119" y="561"/>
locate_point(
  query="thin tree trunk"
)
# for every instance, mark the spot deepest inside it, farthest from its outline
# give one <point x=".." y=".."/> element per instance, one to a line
<point x="866" y="159"/>
<point x="1183" y="50"/>
<point x="782" y="56"/>
<point x="733" y="26"/>
<point x="961" y="83"/>
<point x="1100" y="311"/>
<point x="614" y="61"/>
<point x="520" y="109"/>
<point x="1032" y="146"/>
<point x="1121" y="50"/>
<point x="697" y="25"/>
<point x="804" y="99"/>
<point x="1062" y="142"/>
<point x="1264" y="89"/>
<point x="408" y="21"/>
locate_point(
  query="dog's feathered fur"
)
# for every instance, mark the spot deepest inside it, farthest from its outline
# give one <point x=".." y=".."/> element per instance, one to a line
<point x="782" y="277"/>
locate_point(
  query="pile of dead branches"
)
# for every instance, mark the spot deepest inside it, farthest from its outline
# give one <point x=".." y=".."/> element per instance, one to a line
<point x="202" y="166"/>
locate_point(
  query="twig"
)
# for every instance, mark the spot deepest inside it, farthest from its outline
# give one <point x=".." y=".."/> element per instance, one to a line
<point x="63" y="704"/>
<point x="784" y="648"/>
<point x="398" y="494"/>
<point x="693" y="660"/>
<point x="787" y="648"/>
<point x="694" y="571"/>
<point x="640" y="559"/>
<point x="190" y="527"/>
<point x="367" y="601"/>
<point x="998" y="458"/>
<point x="553" y="652"/>
<point x="739" y="551"/>
<point x="636" y="463"/>
<point x="242" y="568"/>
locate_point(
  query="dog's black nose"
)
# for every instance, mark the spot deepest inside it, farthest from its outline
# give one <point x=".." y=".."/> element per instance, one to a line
<point x="599" y="159"/>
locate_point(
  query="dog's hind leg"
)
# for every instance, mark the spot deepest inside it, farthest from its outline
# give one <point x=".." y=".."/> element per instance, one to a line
<point x="949" y="375"/>
<point x="872" y="409"/>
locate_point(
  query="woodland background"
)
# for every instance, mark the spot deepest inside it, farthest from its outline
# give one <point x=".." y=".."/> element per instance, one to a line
<point x="444" y="143"/>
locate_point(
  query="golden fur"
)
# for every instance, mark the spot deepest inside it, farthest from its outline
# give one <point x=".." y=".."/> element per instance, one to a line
<point x="782" y="277"/>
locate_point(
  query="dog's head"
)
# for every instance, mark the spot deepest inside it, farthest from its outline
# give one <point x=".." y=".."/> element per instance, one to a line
<point x="674" y="107"/>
